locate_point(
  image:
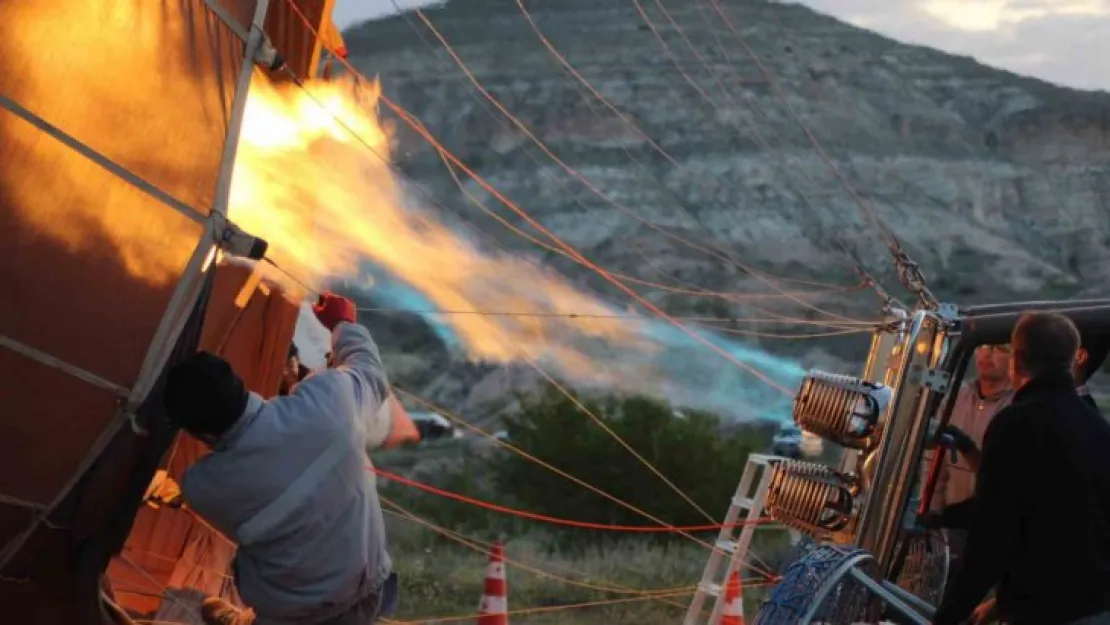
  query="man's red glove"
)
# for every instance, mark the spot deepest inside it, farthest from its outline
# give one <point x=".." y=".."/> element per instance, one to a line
<point x="331" y="309"/>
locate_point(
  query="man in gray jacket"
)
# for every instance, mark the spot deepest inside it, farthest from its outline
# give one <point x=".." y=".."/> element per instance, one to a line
<point x="287" y="480"/>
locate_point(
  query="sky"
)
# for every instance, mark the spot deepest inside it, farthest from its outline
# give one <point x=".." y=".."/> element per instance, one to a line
<point x="1062" y="41"/>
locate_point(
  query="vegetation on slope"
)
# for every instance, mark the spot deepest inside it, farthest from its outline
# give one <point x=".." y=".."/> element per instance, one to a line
<point x="552" y="566"/>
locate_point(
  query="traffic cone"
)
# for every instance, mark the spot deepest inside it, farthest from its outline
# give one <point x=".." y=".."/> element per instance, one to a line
<point x="493" y="609"/>
<point x="733" y="613"/>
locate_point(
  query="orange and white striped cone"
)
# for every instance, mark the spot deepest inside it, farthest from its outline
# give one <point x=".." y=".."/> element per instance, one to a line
<point x="493" y="609"/>
<point x="733" y="614"/>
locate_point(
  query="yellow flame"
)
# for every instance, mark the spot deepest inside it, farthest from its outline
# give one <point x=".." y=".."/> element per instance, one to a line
<point x="305" y="182"/>
<point x="134" y="80"/>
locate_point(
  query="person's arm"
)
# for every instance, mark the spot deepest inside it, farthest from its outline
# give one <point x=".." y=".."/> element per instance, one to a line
<point x="357" y="354"/>
<point x="994" y="520"/>
<point x="958" y="417"/>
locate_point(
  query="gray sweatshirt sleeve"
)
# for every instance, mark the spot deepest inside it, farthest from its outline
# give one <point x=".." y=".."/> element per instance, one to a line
<point x="356" y="354"/>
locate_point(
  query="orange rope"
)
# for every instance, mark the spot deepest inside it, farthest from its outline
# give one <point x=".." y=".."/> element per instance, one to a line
<point x="561" y="473"/>
<point x="692" y="291"/>
<point x="865" y="207"/>
<point x="545" y="609"/>
<point x="483" y="548"/>
<point x="674" y="60"/>
<point x="524" y="514"/>
<point x="562" y="60"/>
<point x="570" y="170"/>
<point x="861" y="325"/>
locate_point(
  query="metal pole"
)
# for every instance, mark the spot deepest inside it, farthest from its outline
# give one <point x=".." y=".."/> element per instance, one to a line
<point x="886" y="595"/>
<point x="874" y="522"/>
<point x="917" y="602"/>
<point x="239" y="107"/>
<point x="831" y="580"/>
<point x="184" y="297"/>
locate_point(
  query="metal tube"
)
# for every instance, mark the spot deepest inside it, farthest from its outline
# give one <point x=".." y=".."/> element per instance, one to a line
<point x="831" y="580"/>
<point x="995" y="327"/>
<point x="959" y="361"/>
<point x="882" y="344"/>
<point x="876" y="501"/>
<point x="184" y="298"/>
<point x="238" y="108"/>
<point x="904" y="459"/>
<point x="889" y="597"/>
<point x="100" y="160"/>
<point x="916" y="602"/>
<point x="47" y="360"/>
<point x="1016" y="307"/>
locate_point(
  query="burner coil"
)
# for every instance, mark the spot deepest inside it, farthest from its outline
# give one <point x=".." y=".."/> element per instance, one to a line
<point x="841" y="408"/>
<point x="811" y="498"/>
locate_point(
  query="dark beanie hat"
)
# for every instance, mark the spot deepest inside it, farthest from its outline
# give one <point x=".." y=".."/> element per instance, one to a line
<point x="203" y="395"/>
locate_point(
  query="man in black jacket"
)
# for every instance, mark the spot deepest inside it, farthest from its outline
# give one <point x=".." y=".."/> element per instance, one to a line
<point x="1040" y="526"/>
<point x="1092" y="354"/>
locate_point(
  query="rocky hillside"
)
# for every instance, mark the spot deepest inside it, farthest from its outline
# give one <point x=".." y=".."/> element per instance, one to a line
<point x="997" y="184"/>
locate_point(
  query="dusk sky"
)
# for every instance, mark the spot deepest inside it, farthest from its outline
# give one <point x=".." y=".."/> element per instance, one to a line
<point x="1062" y="41"/>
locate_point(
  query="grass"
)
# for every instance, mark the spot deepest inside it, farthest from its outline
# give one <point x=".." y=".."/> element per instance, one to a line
<point x="440" y="578"/>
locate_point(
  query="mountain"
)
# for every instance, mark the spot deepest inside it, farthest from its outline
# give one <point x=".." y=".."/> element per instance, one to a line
<point x="995" y="183"/>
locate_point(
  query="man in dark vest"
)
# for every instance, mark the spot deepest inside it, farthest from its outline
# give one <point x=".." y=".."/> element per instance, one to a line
<point x="1040" y="519"/>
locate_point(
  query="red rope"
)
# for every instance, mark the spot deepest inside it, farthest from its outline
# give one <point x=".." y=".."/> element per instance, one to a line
<point x="550" y="519"/>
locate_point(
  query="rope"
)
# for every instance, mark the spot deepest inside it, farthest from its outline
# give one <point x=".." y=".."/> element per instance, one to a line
<point x="857" y="325"/>
<point x="545" y="609"/>
<point x="103" y="161"/>
<point x="574" y="173"/>
<point x="419" y="128"/>
<point x="158" y="556"/>
<point x="678" y="203"/>
<point x="678" y="325"/>
<point x="781" y="319"/>
<point x="447" y="414"/>
<point x="859" y="268"/>
<point x="68" y="368"/>
<point x="492" y="214"/>
<point x="483" y="548"/>
<point x="858" y="265"/>
<point x="524" y="514"/>
<point x="310" y="289"/>
<point x="908" y="271"/>
<point x="481" y="205"/>
<point x="608" y="430"/>
<point x="705" y="322"/>
<point x="658" y="595"/>
<point x="157" y="584"/>
<point x="625" y="277"/>
<point x="632" y="125"/>
<point x="790" y="337"/>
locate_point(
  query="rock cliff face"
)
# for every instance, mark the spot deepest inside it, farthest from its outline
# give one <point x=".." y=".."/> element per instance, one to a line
<point x="996" y="184"/>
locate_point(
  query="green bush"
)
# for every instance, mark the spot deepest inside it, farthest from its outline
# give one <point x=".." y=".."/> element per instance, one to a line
<point x="690" y="450"/>
<point x="443" y="578"/>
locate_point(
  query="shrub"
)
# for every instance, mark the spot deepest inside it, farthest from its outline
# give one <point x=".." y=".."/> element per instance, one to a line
<point x="688" y="448"/>
<point x="443" y="578"/>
